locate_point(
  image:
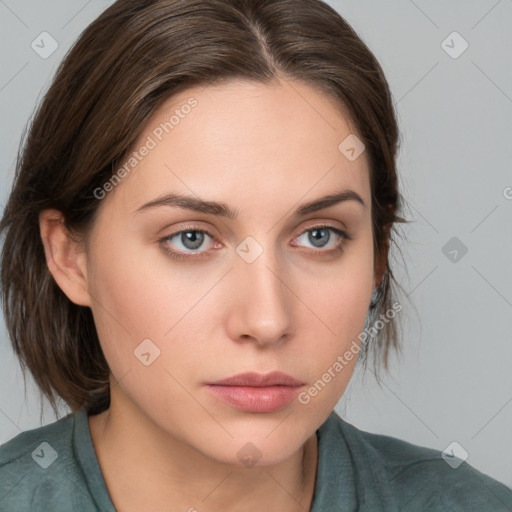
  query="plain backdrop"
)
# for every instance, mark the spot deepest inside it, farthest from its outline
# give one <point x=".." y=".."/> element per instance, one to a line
<point x="453" y="94"/>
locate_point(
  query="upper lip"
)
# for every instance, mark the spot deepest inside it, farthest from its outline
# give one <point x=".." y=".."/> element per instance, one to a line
<point x="259" y="380"/>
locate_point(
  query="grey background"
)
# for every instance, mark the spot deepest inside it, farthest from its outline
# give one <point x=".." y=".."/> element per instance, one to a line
<point x="453" y="382"/>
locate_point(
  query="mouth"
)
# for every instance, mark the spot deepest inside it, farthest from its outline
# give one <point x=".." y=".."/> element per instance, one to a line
<point x="253" y="392"/>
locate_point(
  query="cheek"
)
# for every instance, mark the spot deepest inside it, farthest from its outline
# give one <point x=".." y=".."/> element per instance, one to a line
<point x="127" y="303"/>
<point x="339" y="303"/>
<point x="139" y="295"/>
<point x="130" y="286"/>
<point x="340" y="294"/>
<point x="336" y="347"/>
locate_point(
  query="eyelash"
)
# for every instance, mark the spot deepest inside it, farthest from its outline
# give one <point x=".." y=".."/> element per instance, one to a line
<point x="344" y="239"/>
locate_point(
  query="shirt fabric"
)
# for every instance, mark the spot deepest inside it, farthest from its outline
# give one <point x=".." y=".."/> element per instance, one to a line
<point x="55" y="468"/>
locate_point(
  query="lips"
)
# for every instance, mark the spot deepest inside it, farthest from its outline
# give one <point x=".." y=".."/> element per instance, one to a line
<point x="253" y="379"/>
<point x="256" y="393"/>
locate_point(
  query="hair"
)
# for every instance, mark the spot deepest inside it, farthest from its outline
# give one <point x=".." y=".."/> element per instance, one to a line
<point x="134" y="57"/>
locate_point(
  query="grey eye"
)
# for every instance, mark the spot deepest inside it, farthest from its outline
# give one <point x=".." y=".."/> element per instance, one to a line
<point x="319" y="237"/>
<point x="192" y="239"/>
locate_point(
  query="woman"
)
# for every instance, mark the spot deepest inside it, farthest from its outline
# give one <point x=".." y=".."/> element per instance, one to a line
<point x="195" y="259"/>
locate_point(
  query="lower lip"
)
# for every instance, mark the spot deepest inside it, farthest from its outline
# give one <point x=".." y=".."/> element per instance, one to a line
<point x="253" y="399"/>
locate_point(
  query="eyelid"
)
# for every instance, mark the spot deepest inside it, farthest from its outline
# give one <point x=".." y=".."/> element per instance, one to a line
<point x="319" y="224"/>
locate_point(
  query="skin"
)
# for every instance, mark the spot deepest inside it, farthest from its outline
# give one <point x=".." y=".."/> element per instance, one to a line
<point x="263" y="150"/>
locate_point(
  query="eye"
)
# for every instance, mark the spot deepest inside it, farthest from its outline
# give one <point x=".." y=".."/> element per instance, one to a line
<point x="186" y="240"/>
<point x="190" y="242"/>
<point x="320" y="236"/>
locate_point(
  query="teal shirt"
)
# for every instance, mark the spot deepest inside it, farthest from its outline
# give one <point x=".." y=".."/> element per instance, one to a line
<point x="54" y="468"/>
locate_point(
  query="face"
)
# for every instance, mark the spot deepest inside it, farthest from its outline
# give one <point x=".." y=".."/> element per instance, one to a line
<point x="183" y="297"/>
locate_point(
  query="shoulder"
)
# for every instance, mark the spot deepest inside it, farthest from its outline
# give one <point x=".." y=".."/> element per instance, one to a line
<point x="38" y="469"/>
<point x="420" y="478"/>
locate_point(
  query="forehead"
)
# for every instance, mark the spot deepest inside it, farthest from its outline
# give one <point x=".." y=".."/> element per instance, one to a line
<point x="243" y="108"/>
<point x="245" y="139"/>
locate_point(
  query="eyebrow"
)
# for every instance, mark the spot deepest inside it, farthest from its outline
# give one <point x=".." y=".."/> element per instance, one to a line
<point x="223" y="210"/>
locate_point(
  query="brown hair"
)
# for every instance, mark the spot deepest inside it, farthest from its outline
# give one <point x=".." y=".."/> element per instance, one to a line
<point x="123" y="67"/>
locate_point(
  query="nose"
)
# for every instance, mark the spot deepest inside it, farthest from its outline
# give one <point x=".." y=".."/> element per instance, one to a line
<point x="261" y="305"/>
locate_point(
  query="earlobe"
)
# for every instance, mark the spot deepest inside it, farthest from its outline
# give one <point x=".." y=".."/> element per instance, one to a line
<point x="65" y="259"/>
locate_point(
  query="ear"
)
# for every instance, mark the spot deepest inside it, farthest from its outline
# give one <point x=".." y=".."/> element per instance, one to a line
<point x="65" y="258"/>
